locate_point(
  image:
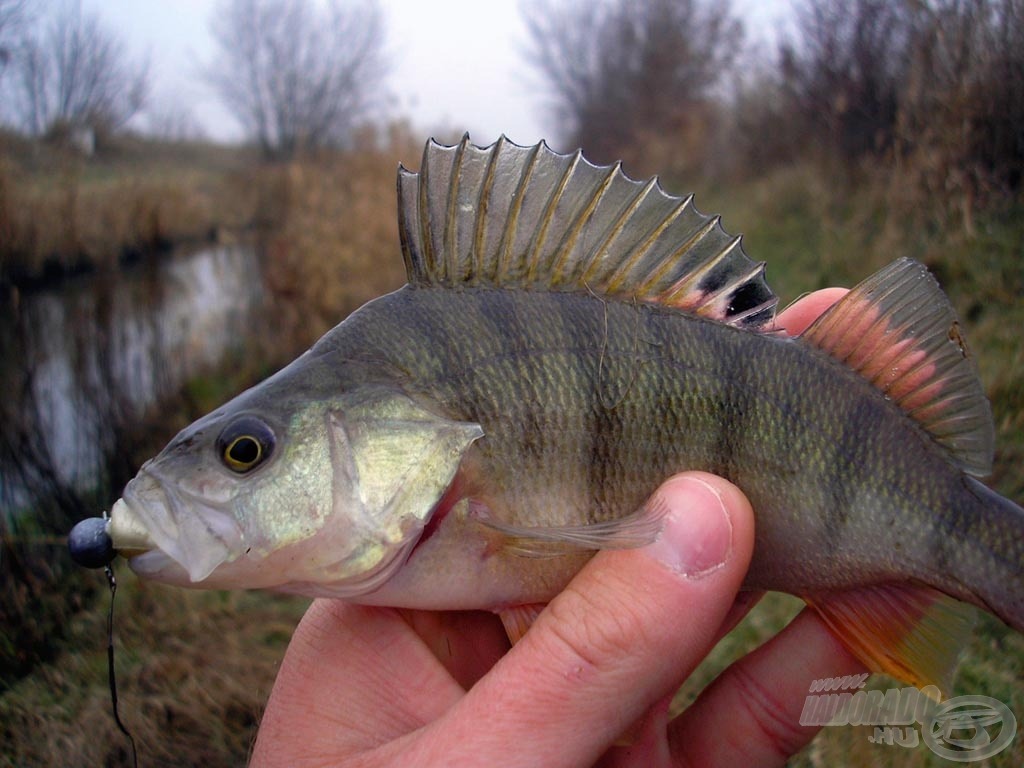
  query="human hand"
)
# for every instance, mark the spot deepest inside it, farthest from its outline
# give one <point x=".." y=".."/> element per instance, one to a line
<point x="373" y="686"/>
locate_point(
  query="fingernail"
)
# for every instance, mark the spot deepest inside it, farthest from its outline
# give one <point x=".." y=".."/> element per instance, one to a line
<point x="696" y="538"/>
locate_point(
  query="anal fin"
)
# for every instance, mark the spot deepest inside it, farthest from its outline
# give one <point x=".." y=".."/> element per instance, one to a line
<point x="517" y="619"/>
<point x="910" y="632"/>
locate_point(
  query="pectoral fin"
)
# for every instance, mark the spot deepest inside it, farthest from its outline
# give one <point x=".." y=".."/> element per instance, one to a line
<point x="635" y="530"/>
<point x="912" y="633"/>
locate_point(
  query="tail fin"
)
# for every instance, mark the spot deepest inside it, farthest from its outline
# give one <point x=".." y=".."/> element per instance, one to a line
<point x="997" y="579"/>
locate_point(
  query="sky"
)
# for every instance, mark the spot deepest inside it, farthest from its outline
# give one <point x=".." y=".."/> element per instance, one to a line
<point x="455" y="65"/>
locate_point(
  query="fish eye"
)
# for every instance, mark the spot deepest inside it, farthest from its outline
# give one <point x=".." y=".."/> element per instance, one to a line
<point x="245" y="444"/>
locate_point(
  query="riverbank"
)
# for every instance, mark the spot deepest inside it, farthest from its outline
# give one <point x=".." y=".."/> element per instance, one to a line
<point x="322" y="234"/>
<point x="64" y="214"/>
<point x="195" y="668"/>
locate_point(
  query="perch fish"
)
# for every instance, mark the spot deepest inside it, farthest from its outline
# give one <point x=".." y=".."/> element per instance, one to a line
<point x="568" y="339"/>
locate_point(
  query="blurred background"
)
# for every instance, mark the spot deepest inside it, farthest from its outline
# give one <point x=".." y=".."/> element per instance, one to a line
<point x="192" y="192"/>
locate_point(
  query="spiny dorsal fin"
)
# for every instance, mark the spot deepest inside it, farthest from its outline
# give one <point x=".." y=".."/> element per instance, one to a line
<point x="898" y="330"/>
<point x="528" y="217"/>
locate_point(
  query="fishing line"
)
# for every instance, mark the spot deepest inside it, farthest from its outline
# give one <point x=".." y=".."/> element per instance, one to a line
<point x="110" y="664"/>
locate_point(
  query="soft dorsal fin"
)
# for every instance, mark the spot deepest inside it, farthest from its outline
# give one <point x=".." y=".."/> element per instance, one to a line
<point x="898" y="330"/>
<point x="528" y="217"/>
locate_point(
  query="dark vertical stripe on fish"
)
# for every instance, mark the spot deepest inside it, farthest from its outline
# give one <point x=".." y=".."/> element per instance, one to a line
<point x="506" y="331"/>
<point x="843" y="463"/>
<point x="730" y="418"/>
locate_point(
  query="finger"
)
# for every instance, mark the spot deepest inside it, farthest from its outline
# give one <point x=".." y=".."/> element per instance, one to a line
<point x="644" y="743"/>
<point x="619" y="638"/>
<point x="750" y="715"/>
<point x="795" y="319"/>
<point x="647" y="747"/>
<point x="467" y="643"/>
<point x="352" y="676"/>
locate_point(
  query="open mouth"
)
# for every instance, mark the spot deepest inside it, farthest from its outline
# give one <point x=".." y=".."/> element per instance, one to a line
<point x="154" y="525"/>
<point x="156" y="563"/>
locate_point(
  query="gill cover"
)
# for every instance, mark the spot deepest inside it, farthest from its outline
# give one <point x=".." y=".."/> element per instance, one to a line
<point x="392" y="462"/>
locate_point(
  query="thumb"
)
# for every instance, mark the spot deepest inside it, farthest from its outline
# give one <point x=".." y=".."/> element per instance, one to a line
<point x="622" y="636"/>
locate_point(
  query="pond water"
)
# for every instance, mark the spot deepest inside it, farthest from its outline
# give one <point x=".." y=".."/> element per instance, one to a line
<point x="83" y="358"/>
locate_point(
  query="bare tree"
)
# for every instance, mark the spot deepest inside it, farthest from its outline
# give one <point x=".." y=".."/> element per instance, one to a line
<point x="963" y="103"/>
<point x="620" y="69"/>
<point x="842" y="75"/>
<point x="172" y="121"/>
<point x="13" y="18"/>
<point x="298" y="77"/>
<point x="73" y="73"/>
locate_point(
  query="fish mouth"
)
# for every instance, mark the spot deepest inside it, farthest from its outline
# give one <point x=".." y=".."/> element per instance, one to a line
<point x="162" y="529"/>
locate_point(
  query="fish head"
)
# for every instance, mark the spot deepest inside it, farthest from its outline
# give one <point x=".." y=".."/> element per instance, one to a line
<point x="292" y="486"/>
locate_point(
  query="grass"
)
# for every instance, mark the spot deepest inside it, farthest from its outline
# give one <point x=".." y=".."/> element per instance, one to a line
<point x="194" y="669"/>
<point x="813" y="234"/>
<point x="63" y="214"/>
<point x="991" y="665"/>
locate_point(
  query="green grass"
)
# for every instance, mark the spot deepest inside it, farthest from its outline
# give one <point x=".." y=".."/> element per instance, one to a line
<point x="195" y="669"/>
<point x="991" y="665"/>
<point x="813" y="235"/>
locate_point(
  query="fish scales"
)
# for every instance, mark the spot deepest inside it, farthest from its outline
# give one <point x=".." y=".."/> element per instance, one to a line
<point x="568" y="339"/>
<point x="589" y="403"/>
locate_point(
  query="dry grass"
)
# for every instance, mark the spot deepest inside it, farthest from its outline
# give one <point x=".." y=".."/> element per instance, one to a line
<point x="61" y="213"/>
<point x="336" y="244"/>
<point x="195" y="668"/>
<point x="194" y="671"/>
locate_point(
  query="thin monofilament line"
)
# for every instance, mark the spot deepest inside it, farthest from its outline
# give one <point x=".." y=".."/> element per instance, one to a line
<point x="110" y="665"/>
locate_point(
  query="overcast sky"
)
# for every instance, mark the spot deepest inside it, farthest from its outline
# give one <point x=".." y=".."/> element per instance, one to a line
<point x="455" y="64"/>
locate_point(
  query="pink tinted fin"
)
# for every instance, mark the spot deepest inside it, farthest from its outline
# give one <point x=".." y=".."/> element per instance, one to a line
<point x="635" y="530"/>
<point x="910" y="632"/>
<point x="898" y="330"/>
<point x="519" y="618"/>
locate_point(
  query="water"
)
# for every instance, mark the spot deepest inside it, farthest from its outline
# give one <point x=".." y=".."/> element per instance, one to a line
<point x="82" y="361"/>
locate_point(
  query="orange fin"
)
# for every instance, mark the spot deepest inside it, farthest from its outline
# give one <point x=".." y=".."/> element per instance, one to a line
<point x="912" y="633"/>
<point x="635" y="530"/>
<point x="898" y="330"/>
<point x="520" y="618"/>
